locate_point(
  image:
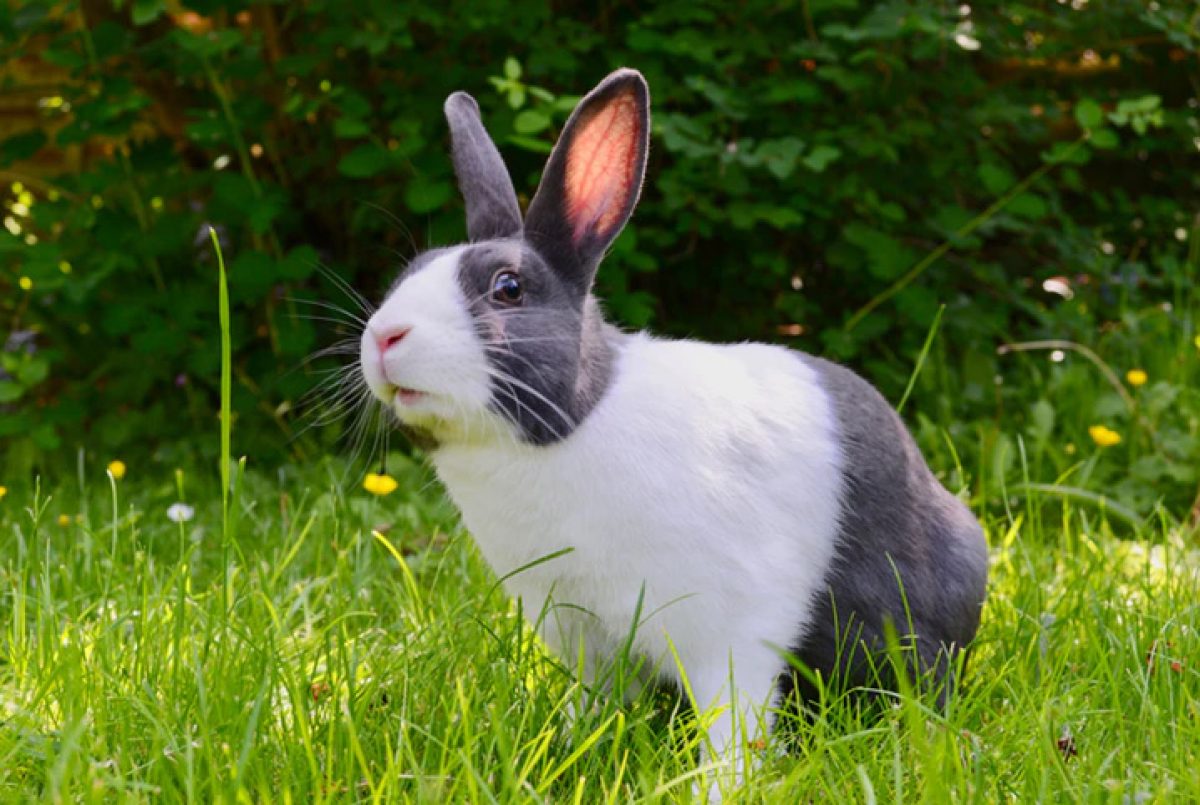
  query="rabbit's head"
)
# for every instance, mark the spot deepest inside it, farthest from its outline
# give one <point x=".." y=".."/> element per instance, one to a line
<point x="501" y="336"/>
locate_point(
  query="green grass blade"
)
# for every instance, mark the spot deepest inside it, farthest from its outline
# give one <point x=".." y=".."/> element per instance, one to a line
<point x="226" y="378"/>
<point x="912" y="378"/>
<point x="1102" y="502"/>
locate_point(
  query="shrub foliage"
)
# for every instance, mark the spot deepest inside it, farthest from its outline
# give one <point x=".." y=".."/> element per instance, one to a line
<point x="826" y="173"/>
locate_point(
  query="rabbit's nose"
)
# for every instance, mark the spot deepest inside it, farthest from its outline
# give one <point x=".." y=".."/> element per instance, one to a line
<point x="390" y="337"/>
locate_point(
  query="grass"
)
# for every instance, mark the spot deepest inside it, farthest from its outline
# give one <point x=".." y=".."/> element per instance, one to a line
<point x="320" y="665"/>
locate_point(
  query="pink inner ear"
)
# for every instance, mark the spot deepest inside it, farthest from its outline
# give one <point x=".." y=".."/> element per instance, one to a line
<point x="600" y="167"/>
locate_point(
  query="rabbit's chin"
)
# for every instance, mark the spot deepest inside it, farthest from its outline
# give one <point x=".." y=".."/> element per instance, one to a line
<point x="448" y="424"/>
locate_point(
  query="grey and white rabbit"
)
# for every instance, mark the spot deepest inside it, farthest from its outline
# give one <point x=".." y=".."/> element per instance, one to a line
<point x="740" y="501"/>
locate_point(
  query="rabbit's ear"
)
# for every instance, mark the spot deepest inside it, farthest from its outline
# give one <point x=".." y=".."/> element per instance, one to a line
<point x="492" y="210"/>
<point x="593" y="178"/>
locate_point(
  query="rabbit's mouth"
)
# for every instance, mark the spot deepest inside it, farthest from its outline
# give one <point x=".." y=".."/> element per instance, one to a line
<point x="406" y="396"/>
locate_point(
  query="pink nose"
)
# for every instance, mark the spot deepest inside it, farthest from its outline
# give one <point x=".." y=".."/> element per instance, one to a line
<point x="391" y="337"/>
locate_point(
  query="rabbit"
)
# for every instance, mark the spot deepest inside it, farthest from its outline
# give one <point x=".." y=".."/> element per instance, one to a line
<point x="732" y="511"/>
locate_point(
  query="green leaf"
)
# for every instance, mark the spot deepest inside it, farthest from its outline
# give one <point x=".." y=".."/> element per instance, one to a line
<point x="209" y="131"/>
<point x="779" y="156"/>
<point x="299" y="263"/>
<point x="1088" y="114"/>
<point x="1105" y="139"/>
<point x="886" y="257"/>
<point x="33" y="371"/>
<point x="512" y="69"/>
<point x="65" y="57"/>
<point x="1028" y="205"/>
<point x="10" y="391"/>
<point x="995" y="178"/>
<point x="20" y="147"/>
<point x="251" y="274"/>
<point x="424" y="194"/>
<point x="45" y="436"/>
<point x="365" y="160"/>
<point x="1070" y="153"/>
<point x="531" y="144"/>
<point x="146" y="11"/>
<point x="531" y="121"/>
<point x="819" y="158"/>
<point x="264" y="212"/>
<point x="1041" y="420"/>
<point x="350" y="127"/>
<point x="207" y="45"/>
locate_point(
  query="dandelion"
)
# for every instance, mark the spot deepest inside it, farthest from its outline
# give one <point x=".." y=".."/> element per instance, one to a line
<point x="1104" y="436"/>
<point x="1197" y="342"/>
<point x="3" y="492"/>
<point x="1136" y="377"/>
<point x="116" y="469"/>
<point x="64" y="520"/>
<point x="26" y="284"/>
<point x="180" y="512"/>
<point x="379" y="484"/>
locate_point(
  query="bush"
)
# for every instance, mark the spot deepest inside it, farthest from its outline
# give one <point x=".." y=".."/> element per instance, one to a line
<point x="806" y="158"/>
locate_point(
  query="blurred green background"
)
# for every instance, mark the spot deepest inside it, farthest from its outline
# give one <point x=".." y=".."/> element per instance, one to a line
<point x="823" y="173"/>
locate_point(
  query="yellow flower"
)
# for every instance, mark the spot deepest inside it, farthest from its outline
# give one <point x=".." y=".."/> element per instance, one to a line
<point x="1197" y="342"/>
<point x="3" y="492"/>
<point x="25" y="283"/>
<point x="64" y="520"/>
<point x="116" y="469"/>
<point x="379" y="484"/>
<point x="1136" y="377"/>
<point x="1104" y="436"/>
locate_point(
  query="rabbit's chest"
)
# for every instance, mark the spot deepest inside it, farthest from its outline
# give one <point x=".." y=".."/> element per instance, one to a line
<point x="706" y="481"/>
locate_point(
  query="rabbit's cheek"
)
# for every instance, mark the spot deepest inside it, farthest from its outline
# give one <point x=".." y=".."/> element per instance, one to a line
<point x="423" y="345"/>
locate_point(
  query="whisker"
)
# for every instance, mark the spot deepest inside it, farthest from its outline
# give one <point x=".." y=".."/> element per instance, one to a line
<point x="391" y="216"/>
<point x="508" y="353"/>
<point x="512" y="381"/>
<point x="329" y="319"/>
<point x="346" y="346"/>
<point x="346" y="288"/>
<point x="319" y="417"/>
<point x="336" y="398"/>
<point x="331" y="401"/>
<point x="537" y="339"/>
<point x="512" y="395"/>
<point x="349" y="314"/>
<point x="359" y="437"/>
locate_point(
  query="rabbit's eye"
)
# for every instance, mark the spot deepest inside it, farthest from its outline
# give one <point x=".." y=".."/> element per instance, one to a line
<point x="506" y="288"/>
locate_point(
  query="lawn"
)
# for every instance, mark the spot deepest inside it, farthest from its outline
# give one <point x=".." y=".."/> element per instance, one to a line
<point x="335" y="645"/>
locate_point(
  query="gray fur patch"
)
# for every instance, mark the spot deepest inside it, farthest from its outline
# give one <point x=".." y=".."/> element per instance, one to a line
<point x="492" y="209"/>
<point x="897" y="521"/>
<point x="551" y="356"/>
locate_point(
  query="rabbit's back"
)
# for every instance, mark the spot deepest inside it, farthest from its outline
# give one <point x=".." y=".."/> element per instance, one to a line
<point x="907" y="549"/>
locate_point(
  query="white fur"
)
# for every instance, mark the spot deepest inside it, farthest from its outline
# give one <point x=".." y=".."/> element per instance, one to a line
<point x="707" y="476"/>
<point x="440" y="356"/>
<point x="705" y="481"/>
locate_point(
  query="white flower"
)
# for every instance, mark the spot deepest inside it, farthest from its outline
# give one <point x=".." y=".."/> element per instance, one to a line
<point x="180" y="512"/>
